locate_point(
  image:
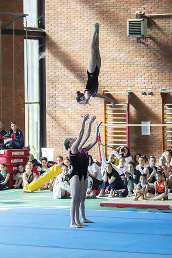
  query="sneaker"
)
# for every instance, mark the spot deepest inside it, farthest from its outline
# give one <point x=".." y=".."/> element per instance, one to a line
<point x="129" y="194"/>
<point x="100" y="195"/>
<point x="110" y="195"/>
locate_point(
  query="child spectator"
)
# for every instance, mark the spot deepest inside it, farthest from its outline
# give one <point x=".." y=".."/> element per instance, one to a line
<point x="163" y="168"/>
<point x="68" y="164"/>
<point x="136" y="158"/>
<point x="4" y="177"/>
<point x="125" y="151"/>
<point x="121" y="168"/>
<point x="61" y="187"/>
<point x="151" y="171"/>
<point x="59" y="160"/>
<point x="161" y="189"/>
<point x="18" y="178"/>
<point x="169" y="181"/>
<point x="132" y="177"/>
<point x="94" y="175"/>
<point x="168" y="156"/>
<point x="142" y="188"/>
<point x="28" y="175"/>
<point x="111" y="159"/>
<point x="112" y="179"/>
<point x="34" y="170"/>
<point x="44" y="163"/>
<point x="142" y="165"/>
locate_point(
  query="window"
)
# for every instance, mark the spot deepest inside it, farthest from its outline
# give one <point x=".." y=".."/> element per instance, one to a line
<point x="32" y="98"/>
<point x="35" y="86"/>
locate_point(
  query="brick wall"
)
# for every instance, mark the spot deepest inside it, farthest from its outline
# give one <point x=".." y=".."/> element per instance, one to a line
<point x="8" y="113"/>
<point x="125" y="64"/>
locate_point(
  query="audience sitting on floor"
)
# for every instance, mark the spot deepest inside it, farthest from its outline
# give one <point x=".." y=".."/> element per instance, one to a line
<point x="61" y="187"/>
<point x="34" y="170"/>
<point x="142" y="165"/>
<point x="121" y="168"/>
<point x="28" y="175"/>
<point x="94" y="175"/>
<point x="132" y="177"/>
<point x="112" y="179"/>
<point x="4" y="177"/>
<point x="68" y="164"/>
<point x="126" y="153"/>
<point x="141" y="190"/>
<point x="138" y="180"/>
<point x="18" y="177"/>
<point x="161" y="188"/>
<point x="44" y="165"/>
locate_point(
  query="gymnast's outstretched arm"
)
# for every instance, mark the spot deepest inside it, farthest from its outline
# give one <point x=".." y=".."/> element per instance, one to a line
<point x="78" y="140"/>
<point x="87" y="133"/>
<point x="98" y="95"/>
<point x="91" y="145"/>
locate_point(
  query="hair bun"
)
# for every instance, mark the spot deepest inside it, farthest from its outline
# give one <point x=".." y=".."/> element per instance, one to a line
<point x="78" y="92"/>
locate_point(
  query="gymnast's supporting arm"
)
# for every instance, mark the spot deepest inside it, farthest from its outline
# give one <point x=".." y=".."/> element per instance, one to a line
<point x="78" y="140"/>
<point x="87" y="133"/>
<point x="91" y="145"/>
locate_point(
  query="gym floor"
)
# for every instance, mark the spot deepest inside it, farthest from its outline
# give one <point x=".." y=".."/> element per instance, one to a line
<point x="36" y="225"/>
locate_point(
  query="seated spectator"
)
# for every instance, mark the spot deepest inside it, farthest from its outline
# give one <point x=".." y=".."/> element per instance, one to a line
<point x="68" y="164"/>
<point x="16" y="136"/>
<point x="142" y="188"/>
<point x="18" y="177"/>
<point x="164" y="169"/>
<point x="125" y="151"/>
<point x="61" y="187"/>
<point x="136" y="158"/>
<point x="151" y="171"/>
<point x="121" y="168"/>
<point x="4" y="177"/>
<point x="132" y="177"/>
<point x="112" y="179"/>
<point x="28" y="175"/>
<point x="2" y="133"/>
<point x="94" y="175"/>
<point x="169" y="180"/>
<point x="34" y="170"/>
<point x="59" y="160"/>
<point x="35" y="162"/>
<point x="161" y="189"/>
<point x="168" y="156"/>
<point x="142" y="165"/>
<point x="111" y="159"/>
<point x="52" y="181"/>
<point x="44" y="163"/>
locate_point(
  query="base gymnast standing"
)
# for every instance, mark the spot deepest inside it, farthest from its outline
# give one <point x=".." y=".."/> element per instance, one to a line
<point x="78" y="178"/>
<point x="93" y="69"/>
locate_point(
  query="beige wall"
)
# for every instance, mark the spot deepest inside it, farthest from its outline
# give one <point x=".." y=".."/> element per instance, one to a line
<point x="125" y="64"/>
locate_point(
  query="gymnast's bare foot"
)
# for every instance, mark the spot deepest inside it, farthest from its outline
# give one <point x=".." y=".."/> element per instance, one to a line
<point x="74" y="225"/>
<point x="87" y="221"/>
<point x="82" y="224"/>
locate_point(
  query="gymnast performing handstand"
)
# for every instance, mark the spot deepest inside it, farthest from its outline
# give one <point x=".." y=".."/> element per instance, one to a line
<point x="78" y="178"/>
<point x="93" y="69"/>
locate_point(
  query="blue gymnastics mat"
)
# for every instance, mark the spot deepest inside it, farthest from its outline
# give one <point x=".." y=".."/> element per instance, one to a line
<point x="40" y="232"/>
